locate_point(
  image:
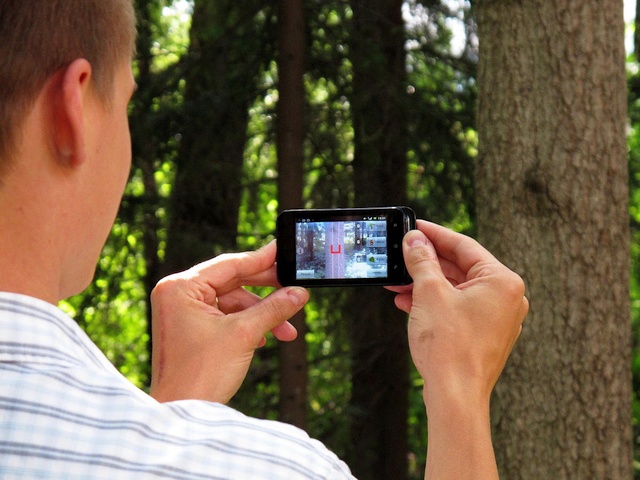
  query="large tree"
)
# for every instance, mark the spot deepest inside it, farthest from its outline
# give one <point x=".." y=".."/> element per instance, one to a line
<point x="552" y="203"/>
<point x="226" y="55"/>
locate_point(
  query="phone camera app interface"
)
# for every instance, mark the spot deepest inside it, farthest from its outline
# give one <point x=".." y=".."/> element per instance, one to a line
<point x="342" y="249"/>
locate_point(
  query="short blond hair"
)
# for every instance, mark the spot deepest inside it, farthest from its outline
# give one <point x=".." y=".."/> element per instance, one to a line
<point x="39" y="37"/>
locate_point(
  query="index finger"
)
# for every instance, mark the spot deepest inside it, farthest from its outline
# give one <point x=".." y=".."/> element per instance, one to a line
<point x="229" y="271"/>
<point x="462" y="251"/>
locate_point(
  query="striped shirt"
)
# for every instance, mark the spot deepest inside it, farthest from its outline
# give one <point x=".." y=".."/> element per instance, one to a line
<point x="66" y="412"/>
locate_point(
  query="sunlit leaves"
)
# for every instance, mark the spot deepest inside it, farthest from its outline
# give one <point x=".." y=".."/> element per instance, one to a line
<point x="113" y="309"/>
<point x="634" y="213"/>
<point x="441" y="147"/>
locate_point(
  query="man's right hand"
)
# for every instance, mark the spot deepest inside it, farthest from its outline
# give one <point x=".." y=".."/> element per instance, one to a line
<point x="465" y="314"/>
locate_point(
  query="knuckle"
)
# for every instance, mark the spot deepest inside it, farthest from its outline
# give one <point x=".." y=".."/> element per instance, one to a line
<point x="168" y="286"/>
<point x="427" y="280"/>
<point x="247" y="334"/>
<point x="513" y="290"/>
<point x="516" y="286"/>
<point x="418" y="256"/>
<point x="278" y="310"/>
<point x="162" y="287"/>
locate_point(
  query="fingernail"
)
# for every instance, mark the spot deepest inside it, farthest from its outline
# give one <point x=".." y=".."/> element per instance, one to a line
<point x="298" y="295"/>
<point x="418" y="242"/>
<point x="415" y="238"/>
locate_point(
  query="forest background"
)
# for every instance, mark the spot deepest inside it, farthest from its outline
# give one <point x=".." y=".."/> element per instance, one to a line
<point x="245" y="108"/>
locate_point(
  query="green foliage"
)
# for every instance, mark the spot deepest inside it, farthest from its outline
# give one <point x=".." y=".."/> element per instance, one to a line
<point x="442" y="139"/>
<point x="113" y="309"/>
<point x="634" y="216"/>
<point x="441" y="148"/>
<point x="329" y="370"/>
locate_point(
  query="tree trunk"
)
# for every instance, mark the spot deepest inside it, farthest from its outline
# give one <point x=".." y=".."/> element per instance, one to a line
<point x="224" y="61"/>
<point x="290" y="140"/>
<point x="552" y="204"/>
<point x="378" y="336"/>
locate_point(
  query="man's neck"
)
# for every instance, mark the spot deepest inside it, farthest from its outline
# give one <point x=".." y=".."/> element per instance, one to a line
<point x="29" y="263"/>
<point x="26" y="272"/>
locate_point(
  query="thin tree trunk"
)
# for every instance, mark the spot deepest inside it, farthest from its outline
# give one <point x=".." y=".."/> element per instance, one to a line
<point x="377" y="330"/>
<point x="290" y="140"/>
<point x="145" y="154"/>
<point x="552" y="204"/>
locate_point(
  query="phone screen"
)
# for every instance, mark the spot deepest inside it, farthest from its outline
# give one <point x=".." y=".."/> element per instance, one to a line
<point x="342" y="249"/>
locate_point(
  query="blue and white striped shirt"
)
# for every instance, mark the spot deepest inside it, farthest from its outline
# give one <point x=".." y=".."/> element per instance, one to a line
<point x="66" y="412"/>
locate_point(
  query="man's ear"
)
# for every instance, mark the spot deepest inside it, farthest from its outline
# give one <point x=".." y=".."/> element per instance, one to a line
<point x="69" y="112"/>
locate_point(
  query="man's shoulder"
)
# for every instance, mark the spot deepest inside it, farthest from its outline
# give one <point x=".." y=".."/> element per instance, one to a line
<point x="65" y="410"/>
<point x="93" y="422"/>
<point x="34" y="331"/>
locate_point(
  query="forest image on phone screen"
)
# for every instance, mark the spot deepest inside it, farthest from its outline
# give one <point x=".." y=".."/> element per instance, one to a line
<point x="341" y="249"/>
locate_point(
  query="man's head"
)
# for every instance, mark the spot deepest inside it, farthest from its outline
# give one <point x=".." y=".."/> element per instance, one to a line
<point x="39" y="37"/>
<point x="65" y="147"/>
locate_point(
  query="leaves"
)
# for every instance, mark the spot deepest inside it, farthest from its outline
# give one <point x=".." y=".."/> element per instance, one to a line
<point x="440" y="151"/>
<point x="441" y="143"/>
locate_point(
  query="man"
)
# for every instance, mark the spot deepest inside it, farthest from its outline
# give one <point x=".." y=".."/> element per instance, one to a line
<point x="65" y="412"/>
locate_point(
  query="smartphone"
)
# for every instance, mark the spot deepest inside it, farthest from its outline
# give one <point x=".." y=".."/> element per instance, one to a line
<point x="343" y="246"/>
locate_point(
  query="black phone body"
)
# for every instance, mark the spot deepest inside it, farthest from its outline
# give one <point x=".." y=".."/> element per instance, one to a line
<point x="343" y="246"/>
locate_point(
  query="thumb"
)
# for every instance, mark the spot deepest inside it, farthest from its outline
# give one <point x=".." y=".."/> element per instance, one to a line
<point x="275" y="309"/>
<point x="422" y="261"/>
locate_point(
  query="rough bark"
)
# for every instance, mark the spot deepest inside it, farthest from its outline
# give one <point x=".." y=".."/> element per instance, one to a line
<point x="552" y="204"/>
